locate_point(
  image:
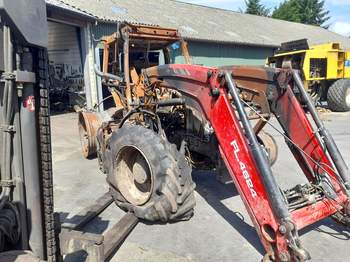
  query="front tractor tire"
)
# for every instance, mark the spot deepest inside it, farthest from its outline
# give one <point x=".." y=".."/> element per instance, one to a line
<point x="148" y="176"/>
<point x="338" y="96"/>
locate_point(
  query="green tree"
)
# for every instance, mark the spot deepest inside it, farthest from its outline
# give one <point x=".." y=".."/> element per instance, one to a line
<point x="287" y="10"/>
<point x="311" y="12"/>
<point x="254" y="7"/>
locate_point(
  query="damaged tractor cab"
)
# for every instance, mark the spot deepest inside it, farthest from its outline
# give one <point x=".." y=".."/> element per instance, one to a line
<point x="125" y="54"/>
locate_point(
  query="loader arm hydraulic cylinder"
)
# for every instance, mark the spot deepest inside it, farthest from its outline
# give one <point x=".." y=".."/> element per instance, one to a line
<point x="279" y="207"/>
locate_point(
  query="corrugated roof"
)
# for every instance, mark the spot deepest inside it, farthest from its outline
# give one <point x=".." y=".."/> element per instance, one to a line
<point x="64" y="6"/>
<point x="205" y="23"/>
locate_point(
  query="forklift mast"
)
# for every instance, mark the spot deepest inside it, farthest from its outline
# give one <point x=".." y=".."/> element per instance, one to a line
<point x="26" y="197"/>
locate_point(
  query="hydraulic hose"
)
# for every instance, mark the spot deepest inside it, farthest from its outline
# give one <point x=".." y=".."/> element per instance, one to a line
<point x="7" y="115"/>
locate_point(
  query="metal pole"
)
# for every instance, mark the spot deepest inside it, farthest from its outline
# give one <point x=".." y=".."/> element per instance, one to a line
<point x="278" y="206"/>
<point x="331" y="146"/>
<point x="31" y="168"/>
<point x="6" y="109"/>
<point x="18" y="167"/>
<point x="126" y="65"/>
<point x="99" y="82"/>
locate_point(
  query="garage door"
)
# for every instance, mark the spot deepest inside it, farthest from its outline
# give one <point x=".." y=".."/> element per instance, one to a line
<point x="64" y="54"/>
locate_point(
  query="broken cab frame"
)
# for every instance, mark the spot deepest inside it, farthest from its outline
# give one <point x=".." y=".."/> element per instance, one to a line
<point x="136" y="38"/>
<point x="118" y="71"/>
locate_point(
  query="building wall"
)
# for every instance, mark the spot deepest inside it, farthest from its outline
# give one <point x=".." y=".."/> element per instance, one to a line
<point x="215" y="54"/>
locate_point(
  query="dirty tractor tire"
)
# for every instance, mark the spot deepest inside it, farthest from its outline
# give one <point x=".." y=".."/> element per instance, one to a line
<point x="338" y="96"/>
<point x="149" y="176"/>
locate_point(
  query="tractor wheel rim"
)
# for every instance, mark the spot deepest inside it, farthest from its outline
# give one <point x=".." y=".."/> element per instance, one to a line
<point x="347" y="97"/>
<point x="88" y="126"/>
<point x="84" y="137"/>
<point x="134" y="175"/>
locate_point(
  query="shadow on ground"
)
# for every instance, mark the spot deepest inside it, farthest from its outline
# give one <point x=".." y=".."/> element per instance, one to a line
<point x="333" y="229"/>
<point x="214" y="192"/>
<point x="96" y="226"/>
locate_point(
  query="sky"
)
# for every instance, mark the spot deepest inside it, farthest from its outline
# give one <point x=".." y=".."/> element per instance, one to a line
<point x="339" y="10"/>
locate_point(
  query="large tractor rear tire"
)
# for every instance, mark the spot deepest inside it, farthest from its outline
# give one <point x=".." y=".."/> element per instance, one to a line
<point x="149" y="176"/>
<point x="338" y="96"/>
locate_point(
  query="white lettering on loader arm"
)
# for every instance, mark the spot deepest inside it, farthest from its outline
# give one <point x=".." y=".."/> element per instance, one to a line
<point x="244" y="170"/>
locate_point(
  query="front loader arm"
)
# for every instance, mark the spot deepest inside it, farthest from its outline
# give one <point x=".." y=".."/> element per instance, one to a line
<point x="216" y="93"/>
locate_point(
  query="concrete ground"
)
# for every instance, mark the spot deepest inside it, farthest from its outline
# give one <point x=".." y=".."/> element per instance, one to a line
<point x="220" y="229"/>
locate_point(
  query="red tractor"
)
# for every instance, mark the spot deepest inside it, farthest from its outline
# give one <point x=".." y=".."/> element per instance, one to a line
<point x="168" y="118"/>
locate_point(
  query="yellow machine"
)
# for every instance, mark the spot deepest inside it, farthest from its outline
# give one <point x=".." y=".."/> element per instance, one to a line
<point x="325" y="69"/>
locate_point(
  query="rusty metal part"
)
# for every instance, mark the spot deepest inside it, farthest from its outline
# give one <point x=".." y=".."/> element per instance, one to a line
<point x="137" y="35"/>
<point x="256" y="97"/>
<point x="185" y="52"/>
<point x="88" y="124"/>
<point x="270" y="146"/>
<point x="134" y="175"/>
<point x="128" y="91"/>
<point x="118" y="99"/>
<point x="105" y="57"/>
<point x="139" y="88"/>
<point x="107" y="76"/>
<point x="133" y="38"/>
<point x="261" y="123"/>
<point x="153" y="32"/>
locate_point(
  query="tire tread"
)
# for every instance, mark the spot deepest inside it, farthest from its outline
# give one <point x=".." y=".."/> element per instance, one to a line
<point x="172" y="198"/>
<point x="336" y="96"/>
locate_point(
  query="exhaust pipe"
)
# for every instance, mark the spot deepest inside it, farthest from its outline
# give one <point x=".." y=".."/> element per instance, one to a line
<point x="107" y="75"/>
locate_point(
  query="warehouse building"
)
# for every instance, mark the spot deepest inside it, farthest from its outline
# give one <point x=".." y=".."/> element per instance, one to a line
<point x="215" y="36"/>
